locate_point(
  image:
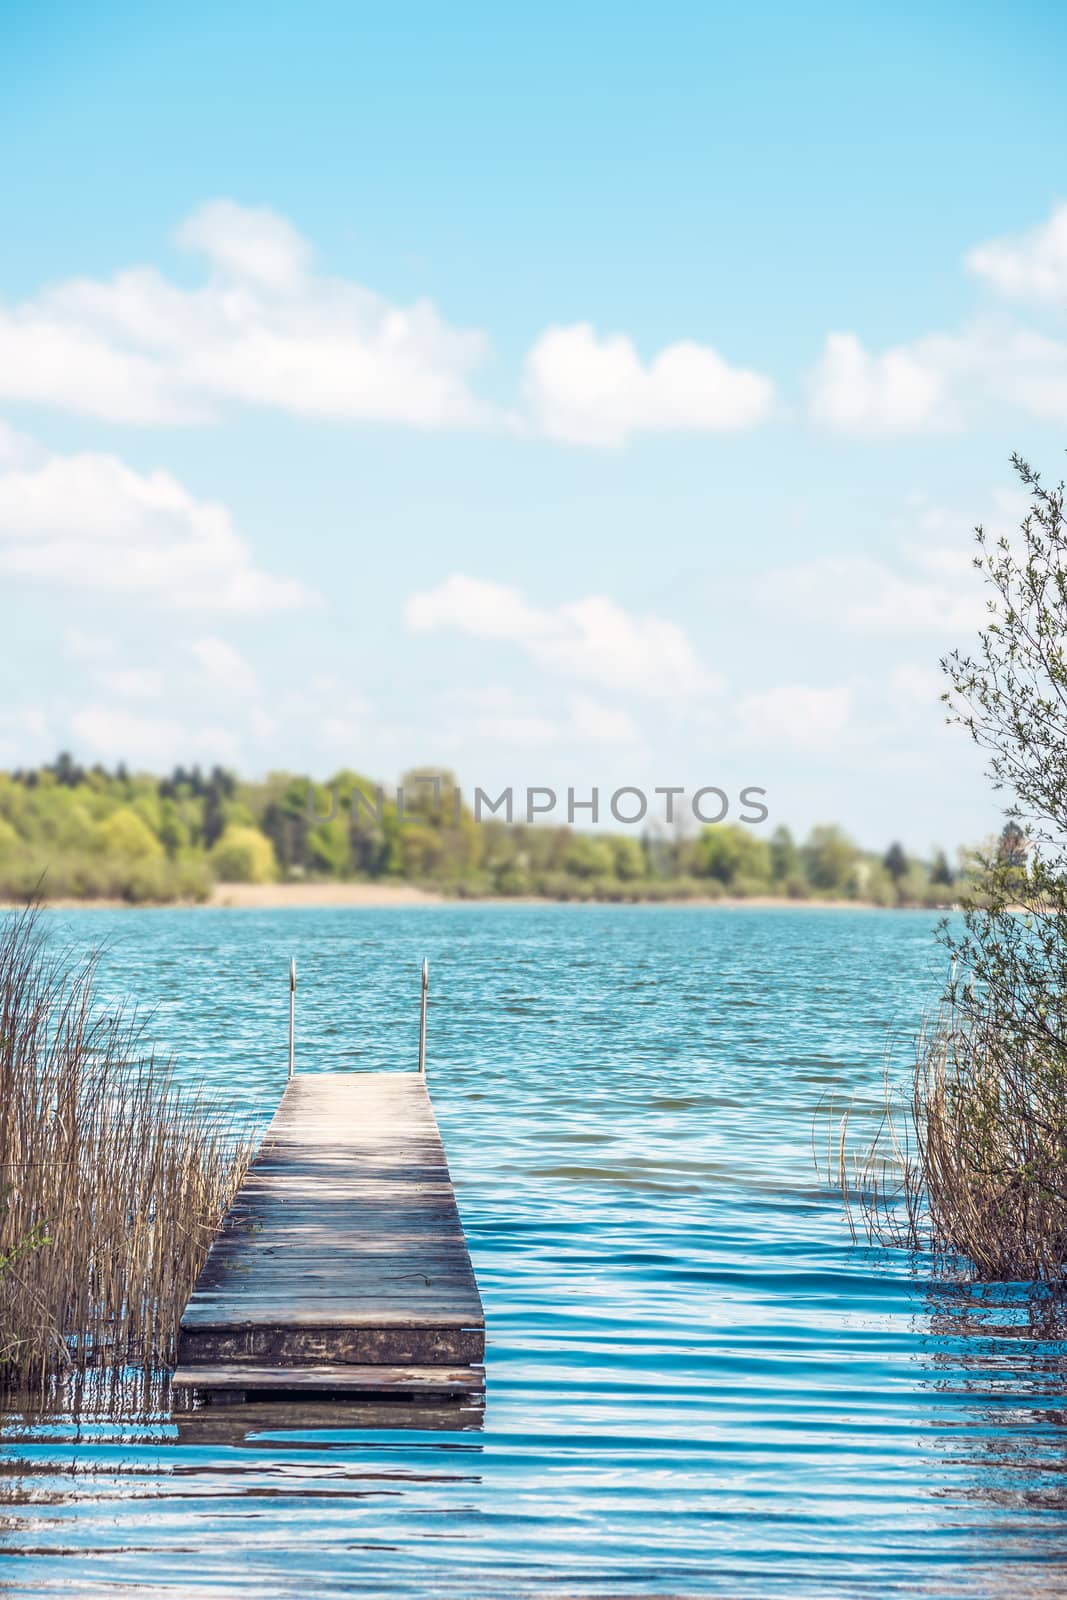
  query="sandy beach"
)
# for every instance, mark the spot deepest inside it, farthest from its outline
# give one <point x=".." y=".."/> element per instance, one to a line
<point x="311" y="896"/>
<point x="380" y="896"/>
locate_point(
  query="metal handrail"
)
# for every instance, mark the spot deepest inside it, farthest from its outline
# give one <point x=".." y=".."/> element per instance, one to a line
<point x="422" y="1013"/>
<point x="292" y="1009"/>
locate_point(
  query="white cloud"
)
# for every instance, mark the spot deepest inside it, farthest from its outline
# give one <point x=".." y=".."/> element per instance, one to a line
<point x="928" y="585"/>
<point x="599" y="724"/>
<point x="1027" y="266"/>
<point x="82" y="646"/>
<point x="593" y="390"/>
<point x="327" y="709"/>
<point x="596" y="639"/>
<point x="872" y="596"/>
<point x="262" y="724"/>
<point x="90" y="521"/>
<point x="504" y="727"/>
<point x="248" y="243"/>
<point x="114" y="734"/>
<point x="921" y="686"/>
<point x="939" y="381"/>
<point x="852" y="390"/>
<point x="30" y="726"/>
<point x="592" y="639"/>
<point x="46" y="358"/>
<point x="473" y="605"/>
<point x="15" y="448"/>
<point x="225" y="668"/>
<point x="133" y="683"/>
<point x="263" y="329"/>
<point x="497" y="715"/>
<point x="33" y="720"/>
<point x="943" y="379"/>
<point x="803" y="717"/>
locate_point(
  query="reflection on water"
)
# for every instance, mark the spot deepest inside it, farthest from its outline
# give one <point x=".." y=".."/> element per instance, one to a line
<point x="320" y="1424"/>
<point x="696" y="1383"/>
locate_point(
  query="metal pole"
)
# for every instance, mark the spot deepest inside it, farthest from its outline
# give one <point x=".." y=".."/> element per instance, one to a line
<point x="292" y="1009"/>
<point x="422" y="1016"/>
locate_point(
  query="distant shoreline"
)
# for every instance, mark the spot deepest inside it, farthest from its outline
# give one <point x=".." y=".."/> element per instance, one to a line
<point x="380" y="896"/>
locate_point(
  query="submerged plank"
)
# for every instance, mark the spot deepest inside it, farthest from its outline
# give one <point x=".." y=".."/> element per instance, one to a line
<point x="343" y="1250"/>
<point x="263" y="1412"/>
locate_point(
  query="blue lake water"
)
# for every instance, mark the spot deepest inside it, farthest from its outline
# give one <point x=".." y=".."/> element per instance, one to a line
<point x="696" y="1382"/>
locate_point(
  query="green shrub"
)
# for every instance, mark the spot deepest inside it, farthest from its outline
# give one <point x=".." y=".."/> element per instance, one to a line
<point x="124" y="833"/>
<point x="511" y="879"/>
<point x="243" y="855"/>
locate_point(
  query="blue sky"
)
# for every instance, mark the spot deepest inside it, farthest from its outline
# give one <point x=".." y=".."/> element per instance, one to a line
<point x="566" y="398"/>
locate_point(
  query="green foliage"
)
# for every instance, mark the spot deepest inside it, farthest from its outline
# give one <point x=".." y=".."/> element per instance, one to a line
<point x="85" y="833"/>
<point x="830" y="858"/>
<point x="174" y="832"/>
<point x="243" y="855"/>
<point x="895" y="861"/>
<point x="589" y="857"/>
<point x="630" y="861"/>
<point x="785" y="857"/>
<point x="941" y="874"/>
<point x="125" y="833"/>
<point x="512" y="879"/>
<point x="732" y="853"/>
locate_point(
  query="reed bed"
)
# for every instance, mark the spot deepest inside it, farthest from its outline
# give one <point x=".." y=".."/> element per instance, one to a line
<point x="969" y="1161"/>
<point x="113" y="1177"/>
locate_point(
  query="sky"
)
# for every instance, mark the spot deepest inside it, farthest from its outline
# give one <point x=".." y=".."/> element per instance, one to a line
<point x="566" y="396"/>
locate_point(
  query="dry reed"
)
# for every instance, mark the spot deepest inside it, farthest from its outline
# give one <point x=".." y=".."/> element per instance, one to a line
<point x="970" y="1161"/>
<point x="113" y="1178"/>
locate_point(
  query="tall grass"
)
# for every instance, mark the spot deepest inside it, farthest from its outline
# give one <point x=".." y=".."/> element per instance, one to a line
<point x="113" y="1178"/>
<point x="969" y="1162"/>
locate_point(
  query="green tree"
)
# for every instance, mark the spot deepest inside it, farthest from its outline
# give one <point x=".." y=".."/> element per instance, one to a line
<point x="326" y="845"/>
<point x="1013" y="846"/>
<point x="174" y="834"/>
<point x="66" y="770"/>
<point x="940" y="871"/>
<point x="785" y="857"/>
<point x="218" y="789"/>
<point x="286" y="822"/>
<point x="421" y="850"/>
<point x="125" y="833"/>
<point x="589" y="857"/>
<point x="730" y="853"/>
<point x="243" y="855"/>
<point x="829" y="859"/>
<point x="629" y="858"/>
<point x="895" y="861"/>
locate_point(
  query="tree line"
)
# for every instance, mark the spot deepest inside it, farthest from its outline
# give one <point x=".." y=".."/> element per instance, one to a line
<point x="90" y="832"/>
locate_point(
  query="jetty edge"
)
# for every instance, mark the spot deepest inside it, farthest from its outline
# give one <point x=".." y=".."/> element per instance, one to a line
<point x="341" y="1269"/>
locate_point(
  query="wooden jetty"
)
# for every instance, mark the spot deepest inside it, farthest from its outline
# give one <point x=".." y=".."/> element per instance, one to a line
<point x="341" y="1269"/>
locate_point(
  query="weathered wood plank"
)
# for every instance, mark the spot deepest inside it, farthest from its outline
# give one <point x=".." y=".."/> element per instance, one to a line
<point x="343" y="1251"/>
<point x="338" y="1341"/>
<point x="348" y="1379"/>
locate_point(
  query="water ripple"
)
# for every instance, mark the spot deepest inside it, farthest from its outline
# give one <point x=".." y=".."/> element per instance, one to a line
<point x="697" y="1384"/>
